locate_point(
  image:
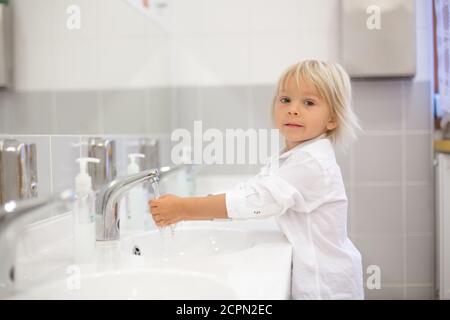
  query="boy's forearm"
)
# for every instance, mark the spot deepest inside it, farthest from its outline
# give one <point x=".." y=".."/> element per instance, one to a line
<point x="205" y="208"/>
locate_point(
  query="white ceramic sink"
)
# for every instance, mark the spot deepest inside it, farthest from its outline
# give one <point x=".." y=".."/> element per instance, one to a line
<point x="187" y="242"/>
<point x="134" y="284"/>
<point x="228" y="260"/>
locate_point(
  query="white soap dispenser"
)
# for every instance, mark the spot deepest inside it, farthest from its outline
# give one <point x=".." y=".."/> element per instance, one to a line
<point x="136" y="202"/>
<point x="84" y="214"/>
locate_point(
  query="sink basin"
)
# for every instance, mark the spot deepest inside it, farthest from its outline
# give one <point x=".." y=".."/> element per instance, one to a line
<point x="186" y="242"/>
<point x="135" y="284"/>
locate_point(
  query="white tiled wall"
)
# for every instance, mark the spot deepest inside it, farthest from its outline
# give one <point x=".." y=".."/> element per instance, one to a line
<point x="216" y="42"/>
<point x="391" y="186"/>
<point x="116" y="47"/>
<point x="132" y="111"/>
<point x="223" y="42"/>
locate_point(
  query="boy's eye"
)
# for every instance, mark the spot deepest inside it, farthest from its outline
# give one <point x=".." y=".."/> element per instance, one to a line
<point x="285" y="100"/>
<point x="308" y="103"/>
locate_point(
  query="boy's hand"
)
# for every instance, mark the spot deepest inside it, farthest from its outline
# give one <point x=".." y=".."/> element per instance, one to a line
<point x="167" y="209"/>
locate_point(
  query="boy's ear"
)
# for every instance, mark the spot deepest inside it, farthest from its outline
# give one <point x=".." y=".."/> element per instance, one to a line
<point x="332" y="124"/>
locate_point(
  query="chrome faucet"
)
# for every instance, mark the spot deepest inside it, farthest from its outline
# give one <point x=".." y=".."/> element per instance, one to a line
<point x="14" y="215"/>
<point x="107" y="215"/>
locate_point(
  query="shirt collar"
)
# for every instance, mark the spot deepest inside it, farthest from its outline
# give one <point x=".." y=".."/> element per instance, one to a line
<point x="284" y="154"/>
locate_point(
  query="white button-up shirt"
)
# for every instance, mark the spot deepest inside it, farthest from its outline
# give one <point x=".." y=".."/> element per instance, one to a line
<point x="303" y="188"/>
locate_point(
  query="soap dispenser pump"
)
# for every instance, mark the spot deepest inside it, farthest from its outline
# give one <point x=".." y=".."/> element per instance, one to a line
<point x="133" y="166"/>
<point x="84" y="213"/>
<point x="83" y="181"/>
<point x="136" y="203"/>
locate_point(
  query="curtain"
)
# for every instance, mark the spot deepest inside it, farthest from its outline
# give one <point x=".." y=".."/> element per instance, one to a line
<point x="442" y="13"/>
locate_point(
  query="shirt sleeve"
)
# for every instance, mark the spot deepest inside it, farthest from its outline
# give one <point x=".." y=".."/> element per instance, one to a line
<point x="299" y="184"/>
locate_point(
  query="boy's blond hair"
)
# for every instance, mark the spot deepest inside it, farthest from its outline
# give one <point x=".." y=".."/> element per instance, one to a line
<point x="333" y="85"/>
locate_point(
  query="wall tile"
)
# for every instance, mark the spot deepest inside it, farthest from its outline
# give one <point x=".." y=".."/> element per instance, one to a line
<point x="33" y="66"/>
<point x="261" y="106"/>
<point x="121" y="19"/>
<point x="378" y="158"/>
<point x="385" y="293"/>
<point x="90" y="14"/>
<point x="302" y="45"/>
<point x="186" y="63"/>
<point x="420" y="209"/>
<point x="234" y="69"/>
<point x="420" y="293"/>
<point x="308" y="13"/>
<point x="107" y="52"/>
<point x="321" y="43"/>
<point x="378" y="210"/>
<point x="224" y="107"/>
<point x="219" y="13"/>
<point x="305" y="44"/>
<point x="77" y="112"/>
<point x="132" y="62"/>
<point x="278" y="16"/>
<point x="75" y="65"/>
<point x="378" y="104"/>
<point x="31" y="113"/>
<point x="31" y="18"/>
<point x="186" y="107"/>
<point x="159" y="111"/>
<point x="418" y="106"/>
<point x="65" y="150"/>
<point x="385" y="252"/>
<point x="419" y="166"/>
<point x="187" y="18"/>
<point x="75" y="51"/>
<point x="420" y="260"/>
<point x="124" y="112"/>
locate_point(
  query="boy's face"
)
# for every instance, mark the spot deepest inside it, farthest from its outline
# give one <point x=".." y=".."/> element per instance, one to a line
<point x="300" y="114"/>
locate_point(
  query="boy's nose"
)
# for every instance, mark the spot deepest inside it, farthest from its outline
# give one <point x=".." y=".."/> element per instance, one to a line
<point x="294" y="108"/>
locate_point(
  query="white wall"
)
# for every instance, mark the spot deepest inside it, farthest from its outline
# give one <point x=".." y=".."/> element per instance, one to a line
<point x="116" y="47"/>
<point x="212" y="42"/>
<point x="241" y="42"/>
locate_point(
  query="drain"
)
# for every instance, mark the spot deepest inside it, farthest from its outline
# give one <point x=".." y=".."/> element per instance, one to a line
<point x="136" y="251"/>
